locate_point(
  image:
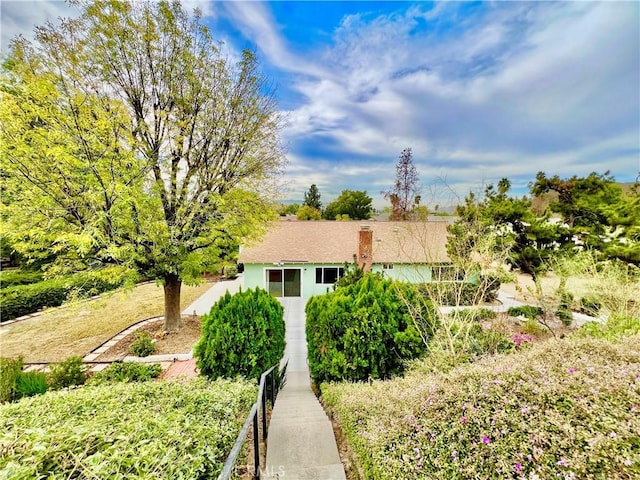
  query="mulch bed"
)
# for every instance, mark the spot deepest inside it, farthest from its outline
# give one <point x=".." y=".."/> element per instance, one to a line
<point x="181" y="341"/>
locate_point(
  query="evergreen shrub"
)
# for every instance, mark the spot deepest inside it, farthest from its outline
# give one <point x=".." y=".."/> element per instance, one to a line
<point x="68" y="373"/>
<point x="230" y="271"/>
<point x="364" y="330"/>
<point x="527" y="311"/>
<point x="242" y="335"/>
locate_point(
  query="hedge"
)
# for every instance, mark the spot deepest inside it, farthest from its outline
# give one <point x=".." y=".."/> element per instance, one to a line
<point x="11" y="278"/>
<point x="163" y="430"/>
<point x="24" y="299"/>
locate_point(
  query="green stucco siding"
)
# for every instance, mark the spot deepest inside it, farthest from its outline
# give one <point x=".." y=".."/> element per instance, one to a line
<point x="255" y="275"/>
<point x="412" y="273"/>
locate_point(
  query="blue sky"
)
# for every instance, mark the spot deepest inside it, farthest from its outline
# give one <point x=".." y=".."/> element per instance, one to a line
<point x="478" y="90"/>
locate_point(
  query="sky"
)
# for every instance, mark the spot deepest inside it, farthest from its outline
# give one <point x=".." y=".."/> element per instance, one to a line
<point x="477" y="90"/>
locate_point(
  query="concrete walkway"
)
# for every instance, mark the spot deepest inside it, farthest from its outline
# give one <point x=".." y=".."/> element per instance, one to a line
<point x="205" y="301"/>
<point x="507" y="301"/>
<point x="301" y="443"/>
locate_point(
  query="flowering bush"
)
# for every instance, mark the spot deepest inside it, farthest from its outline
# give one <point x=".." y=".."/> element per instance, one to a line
<point x="560" y="409"/>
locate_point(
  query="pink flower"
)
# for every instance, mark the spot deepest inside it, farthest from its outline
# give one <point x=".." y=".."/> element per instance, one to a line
<point x="463" y="419"/>
<point x="518" y="467"/>
<point x="486" y="440"/>
<point x="571" y="370"/>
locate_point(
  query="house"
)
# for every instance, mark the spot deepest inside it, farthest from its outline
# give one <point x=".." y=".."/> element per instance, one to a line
<point x="301" y="259"/>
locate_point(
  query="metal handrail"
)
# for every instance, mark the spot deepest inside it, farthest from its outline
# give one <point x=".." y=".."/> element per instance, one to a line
<point x="259" y="407"/>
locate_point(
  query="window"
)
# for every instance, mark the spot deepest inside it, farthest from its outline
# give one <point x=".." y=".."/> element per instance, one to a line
<point x="445" y="273"/>
<point x="387" y="266"/>
<point x="328" y="275"/>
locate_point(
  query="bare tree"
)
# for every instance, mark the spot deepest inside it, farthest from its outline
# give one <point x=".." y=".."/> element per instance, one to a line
<point x="405" y="193"/>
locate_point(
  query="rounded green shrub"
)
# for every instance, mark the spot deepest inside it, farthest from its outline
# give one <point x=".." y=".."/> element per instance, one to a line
<point x="230" y="271"/>
<point x="364" y="330"/>
<point x="528" y="311"/>
<point x="68" y="373"/>
<point x="11" y="278"/>
<point x="143" y="345"/>
<point x="242" y="335"/>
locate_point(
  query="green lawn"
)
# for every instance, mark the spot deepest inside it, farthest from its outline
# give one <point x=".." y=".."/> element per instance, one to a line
<point x="79" y="328"/>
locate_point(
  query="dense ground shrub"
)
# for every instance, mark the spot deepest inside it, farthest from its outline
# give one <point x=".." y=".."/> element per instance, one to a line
<point x="10" y="370"/>
<point x="590" y="305"/>
<point x="143" y="345"/>
<point x="527" y="311"/>
<point x="68" y="373"/>
<point x="243" y="334"/>
<point x="615" y="327"/>
<point x="24" y="299"/>
<point x="31" y="383"/>
<point x="463" y="293"/>
<point x="164" y="430"/>
<point x="561" y="409"/>
<point x="363" y="330"/>
<point x="563" y="311"/>
<point x="11" y="278"/>
<point x="477" y="314"/>
<point x="127" y="372"/>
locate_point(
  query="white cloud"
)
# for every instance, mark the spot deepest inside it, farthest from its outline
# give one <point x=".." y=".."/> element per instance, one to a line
<point x="526" y="87"/>
<point x="19" y="17"/>
<point x="256" y="23"/>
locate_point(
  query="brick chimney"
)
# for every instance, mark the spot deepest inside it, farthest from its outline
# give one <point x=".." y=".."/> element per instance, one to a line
<point x="365" y="247"/>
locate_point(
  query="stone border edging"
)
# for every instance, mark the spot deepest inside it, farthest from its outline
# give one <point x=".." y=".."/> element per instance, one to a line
<point x="96" y="352"/>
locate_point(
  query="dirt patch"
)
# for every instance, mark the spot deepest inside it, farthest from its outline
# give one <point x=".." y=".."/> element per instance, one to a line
<point x="181" y="341"/>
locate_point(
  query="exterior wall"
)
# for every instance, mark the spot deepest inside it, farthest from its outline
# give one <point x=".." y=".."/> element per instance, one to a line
<point x="255" y="276"/>
<point x="412" y="273"/>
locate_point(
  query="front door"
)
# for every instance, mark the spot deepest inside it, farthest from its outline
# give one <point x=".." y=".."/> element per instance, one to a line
<point x="284" y="282"/>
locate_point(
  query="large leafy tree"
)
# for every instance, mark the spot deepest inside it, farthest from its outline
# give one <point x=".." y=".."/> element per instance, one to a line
<point x="405" y="193"/>
<point x="597" y="211"/>
<point x="356" y="204"/>
<point x="129" y="138"/>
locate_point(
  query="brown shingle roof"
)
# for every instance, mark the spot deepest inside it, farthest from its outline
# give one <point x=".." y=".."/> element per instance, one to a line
<point x="337" y="242"/>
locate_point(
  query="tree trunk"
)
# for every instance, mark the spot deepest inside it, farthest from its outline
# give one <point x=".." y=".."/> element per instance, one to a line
<point x="172" y="317"/>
